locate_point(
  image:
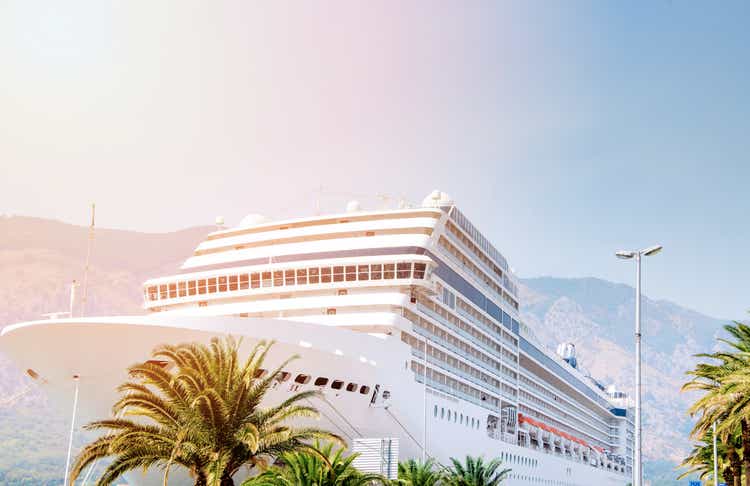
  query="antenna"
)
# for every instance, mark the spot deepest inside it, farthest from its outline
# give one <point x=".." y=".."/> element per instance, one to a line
<point x="88" y="261"/>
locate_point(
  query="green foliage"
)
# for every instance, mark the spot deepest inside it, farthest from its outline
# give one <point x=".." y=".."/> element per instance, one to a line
<point x="417" y="473"/>
<point x="475" y="472"/>
<point x="201" y="412"/>
<point x="319" y="466"/>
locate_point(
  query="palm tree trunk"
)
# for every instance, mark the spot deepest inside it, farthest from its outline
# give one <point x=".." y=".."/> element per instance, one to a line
<point x="226" y="480"/>
<point x="728" y="476"/>
<point x="200" y="480"/>
<point x="745" y="427"/>
<point x="735" y="464"/>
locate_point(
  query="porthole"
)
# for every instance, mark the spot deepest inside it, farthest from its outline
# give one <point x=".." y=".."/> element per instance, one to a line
<point x="442" y="412"/>
<point x="283" y="376"/>
<point x="435" y="411"/>
<point x="364" y="389"/>
<point x="259" y="373"/>
<point x="337" y="384"/>
<point x="351" y="387"/>
<point x="302" y="379"/>
<point x="321" y="381"/>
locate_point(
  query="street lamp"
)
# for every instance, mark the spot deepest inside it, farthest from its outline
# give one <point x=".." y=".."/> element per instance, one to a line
<point x="627" y="255"/>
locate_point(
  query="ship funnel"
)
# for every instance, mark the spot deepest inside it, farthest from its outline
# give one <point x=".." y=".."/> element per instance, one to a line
<point x="567" y="351"/>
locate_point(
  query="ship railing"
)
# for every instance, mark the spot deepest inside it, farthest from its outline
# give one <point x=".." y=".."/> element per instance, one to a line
<point x="493" y="352"/>
<point x="453" y="392"/>
<point x="484" y="327"/>
<point x="478" y="281"/>
<point x="478" y="262"/>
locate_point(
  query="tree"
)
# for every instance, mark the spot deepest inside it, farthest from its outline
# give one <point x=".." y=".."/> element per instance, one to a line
<point x="475" y="472"/>
<point x="417" y="473"/>
<point x="318" y="466"/>
<point x="701" y="461"/>
<point x="198" y="406"/>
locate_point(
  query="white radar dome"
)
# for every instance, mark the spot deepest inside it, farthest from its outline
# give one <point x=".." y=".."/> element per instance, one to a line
<point x="253" y="220"/>
<point x="353" y="207"/>
<point x="436" y="199"/>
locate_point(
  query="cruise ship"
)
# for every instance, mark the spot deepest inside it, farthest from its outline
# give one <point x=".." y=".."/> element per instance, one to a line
<point x="407" y="320"/>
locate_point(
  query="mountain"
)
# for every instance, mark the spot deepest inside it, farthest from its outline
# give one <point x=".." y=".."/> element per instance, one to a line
<point x="39" y="258"/>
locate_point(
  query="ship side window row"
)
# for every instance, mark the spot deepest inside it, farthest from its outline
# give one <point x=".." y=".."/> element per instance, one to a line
<point x="447" y="384"/>
<point x="320" y="381"/>
<point x="287" y="278"/>
<point x="453" y="415"/>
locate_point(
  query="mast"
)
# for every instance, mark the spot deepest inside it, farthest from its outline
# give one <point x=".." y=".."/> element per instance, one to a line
<point x="88" y="261"/>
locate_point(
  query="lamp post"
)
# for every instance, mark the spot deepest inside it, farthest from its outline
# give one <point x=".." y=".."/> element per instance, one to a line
<point x="627" y="255"/>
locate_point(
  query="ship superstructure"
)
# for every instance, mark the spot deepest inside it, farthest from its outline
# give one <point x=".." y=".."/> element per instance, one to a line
<point x="408" y="321"/>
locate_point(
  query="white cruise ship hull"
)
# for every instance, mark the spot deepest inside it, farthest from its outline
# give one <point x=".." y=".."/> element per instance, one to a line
<point x="99" y="350"/>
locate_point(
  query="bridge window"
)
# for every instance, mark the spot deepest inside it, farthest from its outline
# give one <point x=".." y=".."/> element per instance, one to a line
<point x="302" y="276"/>
<point x="419" y="269"/>
<point x="289" y="277"/>
<point x="153" y="293"/>
<point x="191" y="287"/>
<point x="325" y="275"/>
<point x="222" y="284"/>
<point x="202" y="286"/>
<point x="244" y="281"/>
<point x="351" y="273"/>
<point x="403" y="270"/>
<point x="182" y="289"/>
<point x="338" y="274"/>
<point x="376" y="271"/>
<point x="233" y="282"/>
<point x="389" y="271"/>
<point x="266" y="280"/>
<point x="364" y="272"/>
<point x="172" y="291"/>
<point x="278" y="278"/>
<point x="313" y="274"/>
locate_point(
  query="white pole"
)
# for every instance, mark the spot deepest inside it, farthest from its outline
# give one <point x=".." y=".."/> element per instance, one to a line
<point x="716" y="460"/>
<point x="72" y="297"/>
<point x="88" y="261"/>
<point x="638" y="472"/>
<point x="72" y="429"/>
<point x="424" y="402"/>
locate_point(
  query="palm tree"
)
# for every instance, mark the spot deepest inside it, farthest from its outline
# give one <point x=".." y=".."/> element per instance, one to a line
<point x="475" y="472"/>
<point x="319" y="466"/>
<point x="198" y="406"/>
<point x="701" y="461"/>
<point x="416" y="473"/>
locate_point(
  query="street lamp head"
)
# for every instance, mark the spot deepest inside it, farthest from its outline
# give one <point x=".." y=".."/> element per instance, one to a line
<point x="625" y="255"/>
<point x="652" y="250"/>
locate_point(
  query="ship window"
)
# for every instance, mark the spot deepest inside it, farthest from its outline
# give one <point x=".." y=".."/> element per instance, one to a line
<point x="435" y="412"/>
<point x="325" y="275"/>
<point x="376" y="272"/>
<point x="364" y="272"/>
<point x="404" y="270"/>
<point x="302" y="379"/>
<point x="314" y="275"/>
<point x="351" y="387"/>
<point x="267" y="279"/>
<point x="338" y="274"/>
<point x="244" y="281"/>
<point x="278" y="278"/>
<point x="259" y="373"/>
<point x="283" y="376"/>
<point x="331" y="311"/>
<point x="388" y="270"/>
<point x="302" y="276"/>
<point x="211" y="285"/>
<point x="342" y="292"/>
<point x="201" y="286"/>
<point x="351" y="273"/>
<point x="289" y="277"/>
<point x="364" y="389"/>
<point x="419" y="269"/>
<point x="182" y="289"/>
<point x="153" y="293"/>
<point x="233" y="282"/>
<point x="191" y="287"/>
<point x="321" y="381"/>
<point x="254" y="280"/>
<point x="172" y="291"/>
<point x="337" y="384"/>
<point x="222" y="284"/>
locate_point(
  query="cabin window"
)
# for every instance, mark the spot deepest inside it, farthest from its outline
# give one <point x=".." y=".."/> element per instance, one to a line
<point x="351" y="273"/>
<point x="325" y="275"/>
<point x="389" y="271"/>
<point x="302" y="379"/>
<point x="376" y="271"/>
<point x="259" y="373"/>
<point x="222" y="284"/>
<point x="233" y="282"/>
<point x="289" y="277"/>
<point x="182" y="289"/>
<point x="331" y="311"/>
<point x="211" y="285"/>
<point x="314" y="275"/>
<point x="351" y="387"/>
<point x="337" y="384"/>
<point x="278" y="278"/>
<point x="403" y="270"/>
<point x="172" y="291"/>
<point x="419" y="269"/>
<point x="244" y="281"/>
<point x="153" y="293"/>
<point x="364" y="272"/>
<point x="202" y="286"/>
<point x="283" y="376"/>
<point x="364" y="389"/>
<point x="267" y="282"/>
<point x="254" y="280"/>
<point x="321" y="381"/>
<point x="338" y="274"/>
<point x="302" y="276"/>
<point x="191" y="287"/>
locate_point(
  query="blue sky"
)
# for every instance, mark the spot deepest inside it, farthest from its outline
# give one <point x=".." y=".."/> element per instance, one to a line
<point x="565" y="130"/>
